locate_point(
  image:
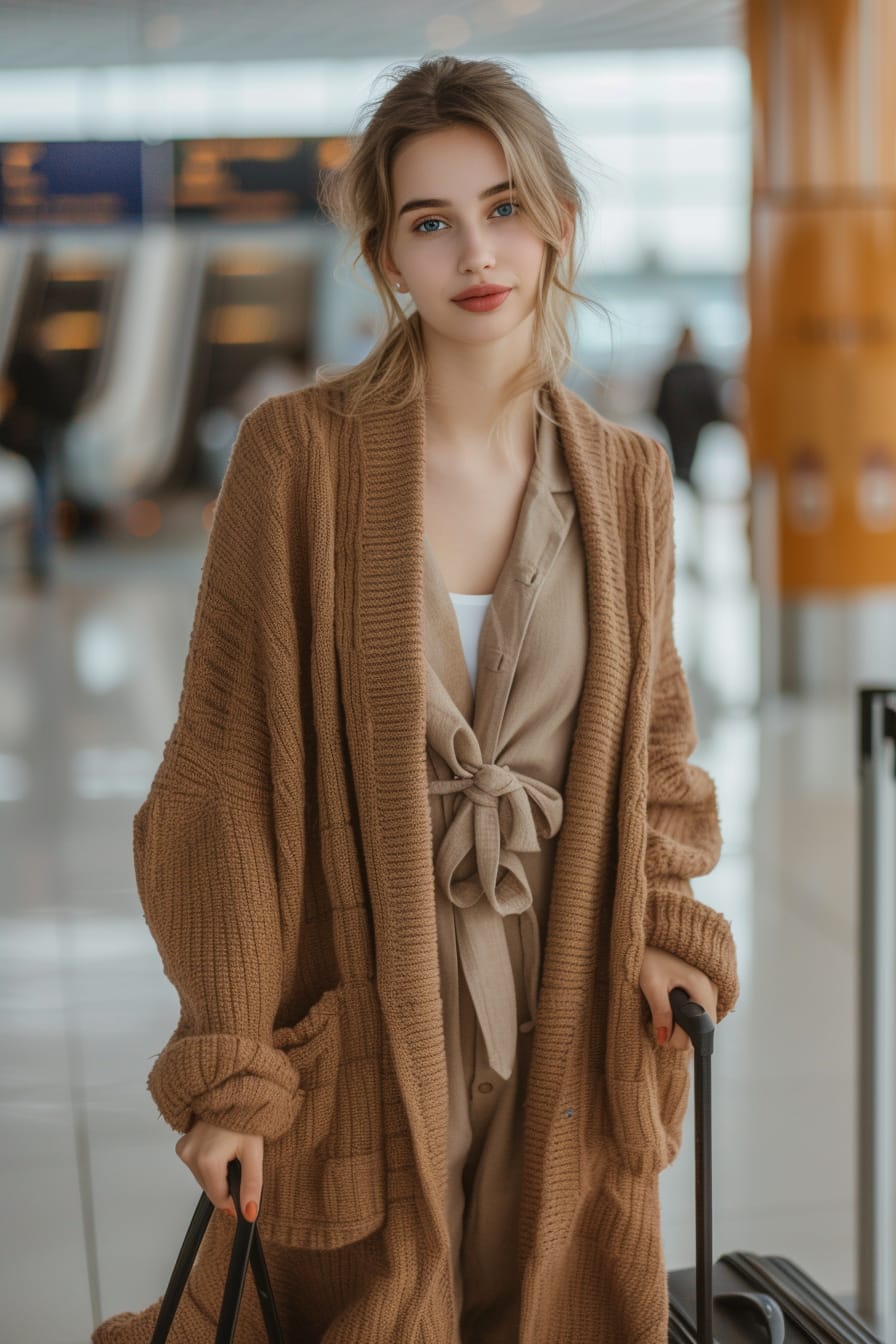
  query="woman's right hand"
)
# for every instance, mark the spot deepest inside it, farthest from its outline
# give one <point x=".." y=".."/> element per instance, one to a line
<point x="206" y="1149"/>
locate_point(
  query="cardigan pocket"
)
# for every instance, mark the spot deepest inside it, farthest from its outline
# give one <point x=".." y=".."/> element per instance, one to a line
<point x="325" y="1178"/>
<point x="648" y="1092"/>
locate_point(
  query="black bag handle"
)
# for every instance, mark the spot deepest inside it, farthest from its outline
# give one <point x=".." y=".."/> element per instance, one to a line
<point x="246" y="1250"/>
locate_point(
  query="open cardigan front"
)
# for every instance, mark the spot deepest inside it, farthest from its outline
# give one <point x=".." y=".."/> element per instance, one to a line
<point x="284" y="861"/>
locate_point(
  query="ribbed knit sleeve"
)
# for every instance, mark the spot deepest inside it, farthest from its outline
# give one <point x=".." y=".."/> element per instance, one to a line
<point x="204" y="848"/>
<point x="683" y="834"/>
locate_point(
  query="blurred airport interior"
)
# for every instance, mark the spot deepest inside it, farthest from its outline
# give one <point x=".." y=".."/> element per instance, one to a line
<point x="165" y="267"/>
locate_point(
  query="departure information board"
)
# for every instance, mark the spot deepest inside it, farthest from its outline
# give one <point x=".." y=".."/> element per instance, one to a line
<point x="96" y="182"/>
<point x="71" y="182"/>
<point x="244" y="179"/>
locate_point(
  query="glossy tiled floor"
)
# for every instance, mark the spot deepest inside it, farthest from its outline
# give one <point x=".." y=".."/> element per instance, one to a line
<point x="95" y="1199"/>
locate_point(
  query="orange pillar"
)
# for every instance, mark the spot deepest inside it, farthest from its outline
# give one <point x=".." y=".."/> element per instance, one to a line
<point x="821" y="366"/>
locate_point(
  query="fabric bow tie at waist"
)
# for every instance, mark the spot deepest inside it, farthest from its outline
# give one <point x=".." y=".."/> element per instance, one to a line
<point x="492" y="794"/>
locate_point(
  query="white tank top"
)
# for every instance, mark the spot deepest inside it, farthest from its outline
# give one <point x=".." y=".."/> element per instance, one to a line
<point x="470" y="609"/>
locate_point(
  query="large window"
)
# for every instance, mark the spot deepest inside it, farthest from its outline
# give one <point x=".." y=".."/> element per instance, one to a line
<point x="670" y="133"/>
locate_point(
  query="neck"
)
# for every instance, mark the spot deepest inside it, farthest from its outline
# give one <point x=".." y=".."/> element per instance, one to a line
<point x="462" y="405"/>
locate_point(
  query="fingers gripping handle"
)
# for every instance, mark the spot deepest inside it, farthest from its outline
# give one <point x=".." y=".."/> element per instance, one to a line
<point x="245" y="1252"/>
<point x="246" y="1247"/>
<point x="694" y="1020"/>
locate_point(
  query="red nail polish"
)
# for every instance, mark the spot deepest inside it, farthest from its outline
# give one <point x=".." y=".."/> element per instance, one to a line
<point x="661" y="1034"/>
<point x="252" y="1211"/>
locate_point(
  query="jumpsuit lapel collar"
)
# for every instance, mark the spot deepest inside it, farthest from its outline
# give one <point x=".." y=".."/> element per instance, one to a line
<point x="545" y="516"/>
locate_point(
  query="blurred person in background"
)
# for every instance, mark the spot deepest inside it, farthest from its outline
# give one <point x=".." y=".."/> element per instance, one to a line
<point x="688" y="399"/>
<point x="36" y="402"/>
<point x="283" y="370"/>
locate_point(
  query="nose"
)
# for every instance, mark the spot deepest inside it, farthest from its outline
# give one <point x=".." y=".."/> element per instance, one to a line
<point x="477" y="254"/>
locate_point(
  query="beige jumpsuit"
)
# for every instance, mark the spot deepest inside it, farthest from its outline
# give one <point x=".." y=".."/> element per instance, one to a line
<point x="496" y="775"/>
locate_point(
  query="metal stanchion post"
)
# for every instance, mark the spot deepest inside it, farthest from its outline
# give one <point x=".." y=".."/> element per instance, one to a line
<point x="877" y="1014"/>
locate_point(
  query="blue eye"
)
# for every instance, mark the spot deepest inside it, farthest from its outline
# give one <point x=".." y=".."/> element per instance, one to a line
<point x="431" y="219"/>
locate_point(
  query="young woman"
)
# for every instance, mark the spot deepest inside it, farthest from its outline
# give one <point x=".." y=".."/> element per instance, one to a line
<point x="418" y="854"/>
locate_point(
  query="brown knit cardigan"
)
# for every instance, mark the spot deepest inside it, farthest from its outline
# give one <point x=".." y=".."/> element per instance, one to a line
<point x="284" y="864"/>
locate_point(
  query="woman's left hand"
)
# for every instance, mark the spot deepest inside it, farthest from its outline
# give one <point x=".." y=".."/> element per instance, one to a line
<point x="662" y="971"/>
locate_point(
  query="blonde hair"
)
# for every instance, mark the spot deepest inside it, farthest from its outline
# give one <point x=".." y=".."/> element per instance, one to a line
<point x="437" y="93"/>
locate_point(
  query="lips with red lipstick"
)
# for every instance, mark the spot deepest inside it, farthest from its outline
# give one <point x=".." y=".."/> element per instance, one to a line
<point x="481" y="298"/>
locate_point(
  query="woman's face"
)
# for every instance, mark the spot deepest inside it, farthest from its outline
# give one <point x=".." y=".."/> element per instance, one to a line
<point x="438" y="251"/>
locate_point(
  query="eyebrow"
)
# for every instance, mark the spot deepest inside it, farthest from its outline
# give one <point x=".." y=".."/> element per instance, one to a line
<point x="435" y="203"/>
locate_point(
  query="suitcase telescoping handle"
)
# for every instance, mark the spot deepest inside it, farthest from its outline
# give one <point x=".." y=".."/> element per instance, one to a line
<point x="696" y="1021"/>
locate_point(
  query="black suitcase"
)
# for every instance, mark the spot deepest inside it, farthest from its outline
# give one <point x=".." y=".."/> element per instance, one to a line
<point x="742" y="1298"/>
